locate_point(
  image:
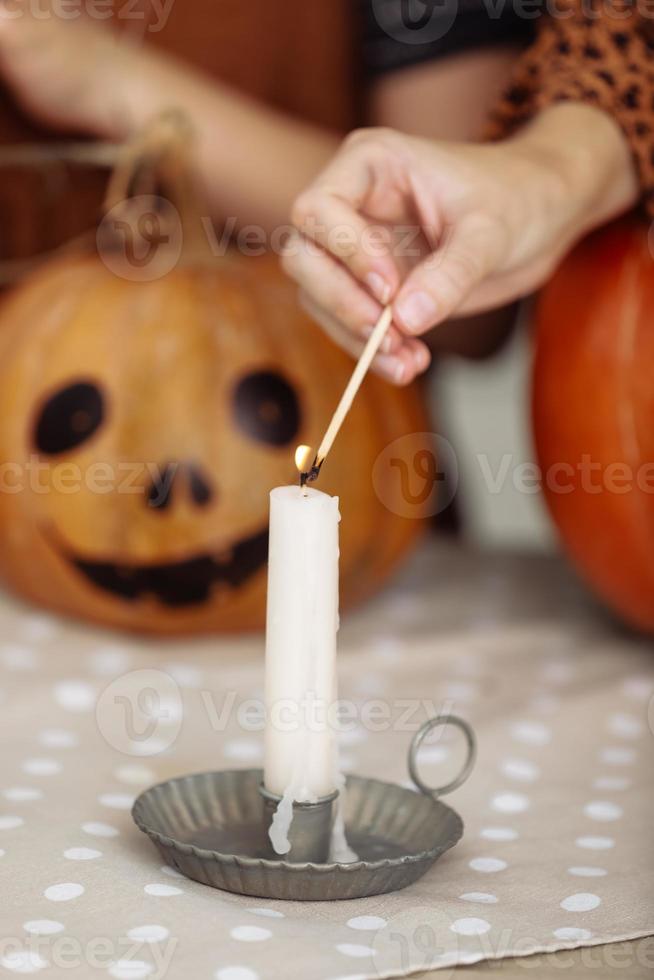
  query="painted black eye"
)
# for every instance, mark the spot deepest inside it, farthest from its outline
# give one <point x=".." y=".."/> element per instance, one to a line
<point x="266" y="408"/>
<point x="68" y="418"/>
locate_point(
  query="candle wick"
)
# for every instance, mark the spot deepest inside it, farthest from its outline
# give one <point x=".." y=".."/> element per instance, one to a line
<point x="312" y="474"/>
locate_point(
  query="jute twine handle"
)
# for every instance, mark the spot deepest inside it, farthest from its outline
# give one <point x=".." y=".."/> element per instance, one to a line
<point x="157" y="162"/>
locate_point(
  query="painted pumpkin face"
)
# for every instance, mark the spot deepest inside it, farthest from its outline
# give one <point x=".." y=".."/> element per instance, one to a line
<point x="142" y="426"/>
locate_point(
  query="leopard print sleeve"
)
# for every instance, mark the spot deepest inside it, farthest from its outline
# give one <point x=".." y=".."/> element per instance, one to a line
<point x="596" y="51"/>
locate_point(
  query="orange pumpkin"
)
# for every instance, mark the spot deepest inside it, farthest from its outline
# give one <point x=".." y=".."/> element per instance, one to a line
<point x="593" y="404"/>
<point x="143" y="422"/>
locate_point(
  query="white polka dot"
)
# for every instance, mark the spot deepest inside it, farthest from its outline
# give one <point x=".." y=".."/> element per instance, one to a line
<point x="370" y="685"/>
<point x="520" y="769"/>
<point x="618" y="755"/>
<point x="151" y="747"/>
<point x="352" y="736"/>
<point x="486" y="898"/>
<point x="39" y="627"/>
<point x="186" y="675"/>
<point x="638" y="688"/>
<point x="117" y="801"/>
<point x="109" y="660"/>
<point x="498" y="833"/>
<point x="603" y="810"/>
<point x="487" y="864"/>
<point x="558" y="672"/>
<point x="470" y="926"/>
<point x="267" y="913"/>
<point x="625" y="726"/>
<point x="595" y="843"/>
<point x="433" y="754"/>
<point x="235" y="973"/>
<point x="388" y="648"/>
<point x="168" y="710"/>
<point x="531" y="732"/>
<point x="96" y="829"/>
<point x="612" y="783"/>
<point x="365" y="922"/>
<point x="81" y="854"/>
<point x="581" y="902"/>
<point x="64" y="892"/>
<point x="546" y="703"/>
<point x="354" y="949"/>
<point x="23" y="961"/>
<point x="43" y="927"/>
<point x="9" y="823"/>
<point x="41" y="767"/>
<point x="134" y="774"/>
<point x="160" y="890"/>
<point x="460" y="691"/>
<point x="148" y="934"/>
<point x="22" y="794"/>
<point x="16" y="657"/>
<point x="250" y="934"/>
<point x="571" y="933"/>
<point x="510" y="803"/>
<point x="77" y="696"/>
<point x="58" y="738"/>
<point x="130" y="969"/>
<point x="582" y="871"/>
<point x="244" y="749"/>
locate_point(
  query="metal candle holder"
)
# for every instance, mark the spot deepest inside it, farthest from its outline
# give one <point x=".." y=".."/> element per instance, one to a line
<point x="213" y="827"/>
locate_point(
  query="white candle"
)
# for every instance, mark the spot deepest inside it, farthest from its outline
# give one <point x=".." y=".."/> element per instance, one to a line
<point x="300" y="747"/>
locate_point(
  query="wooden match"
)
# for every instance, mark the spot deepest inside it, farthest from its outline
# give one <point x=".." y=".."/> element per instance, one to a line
<point x="309" y="473"/>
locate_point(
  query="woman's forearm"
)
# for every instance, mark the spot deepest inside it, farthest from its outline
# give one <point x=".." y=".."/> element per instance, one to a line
<point x="583" y="148"/>
<point x="251" y="159"/>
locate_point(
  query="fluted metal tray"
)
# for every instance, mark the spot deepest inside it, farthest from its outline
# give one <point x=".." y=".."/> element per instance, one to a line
<point x="209" y="827"/>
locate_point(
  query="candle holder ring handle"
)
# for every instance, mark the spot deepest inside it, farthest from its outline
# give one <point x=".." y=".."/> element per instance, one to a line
<point x="418" y="739"/>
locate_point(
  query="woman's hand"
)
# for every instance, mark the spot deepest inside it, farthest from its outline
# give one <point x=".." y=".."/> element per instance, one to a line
<point x="446" y="229"/>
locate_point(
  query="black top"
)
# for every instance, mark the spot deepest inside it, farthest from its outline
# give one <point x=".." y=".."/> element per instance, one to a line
<point x="401" y="33"/>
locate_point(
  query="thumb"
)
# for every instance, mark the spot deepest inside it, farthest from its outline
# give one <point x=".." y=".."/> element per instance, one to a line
<point x="439" y="285"/>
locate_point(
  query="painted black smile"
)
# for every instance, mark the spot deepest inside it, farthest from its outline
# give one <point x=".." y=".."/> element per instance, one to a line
<point x="179" y="583"/>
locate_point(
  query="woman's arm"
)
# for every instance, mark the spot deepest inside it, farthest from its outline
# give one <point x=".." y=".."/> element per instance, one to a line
<point x="78" y="75"/>
<point x="494" y="220"/>
<point x="491" y="223"/>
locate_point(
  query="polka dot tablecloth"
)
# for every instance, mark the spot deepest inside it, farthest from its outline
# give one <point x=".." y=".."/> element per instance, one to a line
<point x="557" y="850"/>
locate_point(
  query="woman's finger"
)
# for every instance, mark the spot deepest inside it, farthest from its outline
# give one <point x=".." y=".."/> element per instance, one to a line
<point x="329" y="213"/>
<point x="440" y="285"/>
<point x="411" y="358"/>
<point x="332" y="289"/>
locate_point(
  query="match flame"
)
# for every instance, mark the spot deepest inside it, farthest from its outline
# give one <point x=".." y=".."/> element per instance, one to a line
<point x="304" y="457"/>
